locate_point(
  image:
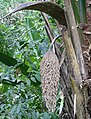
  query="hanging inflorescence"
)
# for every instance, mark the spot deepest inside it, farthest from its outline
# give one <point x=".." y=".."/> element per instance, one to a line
<point x="49" y="69"/>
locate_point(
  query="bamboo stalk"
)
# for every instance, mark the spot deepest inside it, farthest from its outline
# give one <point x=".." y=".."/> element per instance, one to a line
<point x="75" y="36"/>
<point x="77" y="80"/>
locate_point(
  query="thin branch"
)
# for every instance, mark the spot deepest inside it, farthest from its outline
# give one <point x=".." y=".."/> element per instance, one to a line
<point x="53" y="41"/>
<point x="62" y="58"/>
<point x="48" y="27"/>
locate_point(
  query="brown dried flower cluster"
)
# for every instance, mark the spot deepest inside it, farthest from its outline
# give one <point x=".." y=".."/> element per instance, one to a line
<point x="49" y="69"/>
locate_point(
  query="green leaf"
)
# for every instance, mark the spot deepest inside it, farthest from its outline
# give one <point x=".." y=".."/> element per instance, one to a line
<point x="34" y="115"/>
<point x="33" y="79"/>
<point x="23" y="68"/>
<point x="28" y="82"/>
<point x="7" y="60"/>
<point x="32" y="33"/>
<point x="13" y="110"/>
<point x="37" y="76"/>
<point x="18" y="109"/>
<point x="46" y="115"/>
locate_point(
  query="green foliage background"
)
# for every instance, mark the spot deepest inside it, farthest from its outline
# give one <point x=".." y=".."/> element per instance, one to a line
<point x="23" y="42"/>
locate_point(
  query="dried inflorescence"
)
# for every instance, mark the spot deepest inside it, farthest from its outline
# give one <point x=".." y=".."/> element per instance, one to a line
<point x="49" y="69"/>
